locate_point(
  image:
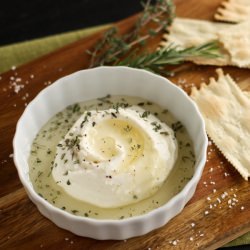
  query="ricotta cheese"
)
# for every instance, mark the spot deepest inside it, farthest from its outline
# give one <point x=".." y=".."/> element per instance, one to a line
<point x="115" y="157"/>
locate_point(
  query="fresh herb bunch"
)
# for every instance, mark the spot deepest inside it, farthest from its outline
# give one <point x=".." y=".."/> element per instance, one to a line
<point x="113" y="47"/>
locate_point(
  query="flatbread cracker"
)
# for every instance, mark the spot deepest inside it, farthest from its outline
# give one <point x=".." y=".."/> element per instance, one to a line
<point x="226" y="111"/>
<point x="234" y="11"/>
<point x="186" y="32"/>
<point x="236" y="41"/>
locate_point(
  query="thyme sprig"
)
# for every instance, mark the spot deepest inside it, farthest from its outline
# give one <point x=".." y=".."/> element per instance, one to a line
<point x="124" y="50"/>
<point x="171" y="55"/>
<point x="113" y="46"/>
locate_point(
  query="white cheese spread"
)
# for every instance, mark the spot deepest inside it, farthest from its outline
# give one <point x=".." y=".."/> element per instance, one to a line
<point x="115" y="157"/>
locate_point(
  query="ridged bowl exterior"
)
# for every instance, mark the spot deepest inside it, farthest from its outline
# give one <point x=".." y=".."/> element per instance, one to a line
<point x="90" y="84"/>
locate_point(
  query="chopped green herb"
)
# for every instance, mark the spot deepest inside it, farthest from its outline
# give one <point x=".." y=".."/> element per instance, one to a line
<point x="38" y="160"/>
<point x="76" y="108"/>
<point x="145" y="114"/>
<point x="177" y="126"/>
<point x="140" y="104"/>
<point x="164" y="133"/>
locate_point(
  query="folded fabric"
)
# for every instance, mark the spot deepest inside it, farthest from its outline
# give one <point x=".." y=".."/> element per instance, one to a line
<point x="19" y="53"/>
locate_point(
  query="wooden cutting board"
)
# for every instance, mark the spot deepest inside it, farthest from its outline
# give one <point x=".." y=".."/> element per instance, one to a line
<point x="218" y="213"/>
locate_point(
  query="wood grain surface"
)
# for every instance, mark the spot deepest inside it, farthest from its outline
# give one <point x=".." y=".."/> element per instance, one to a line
<point x="218" y="212"/>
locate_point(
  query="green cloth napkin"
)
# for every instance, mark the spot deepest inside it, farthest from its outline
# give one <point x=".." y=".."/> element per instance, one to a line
<point x="19" y="53"/>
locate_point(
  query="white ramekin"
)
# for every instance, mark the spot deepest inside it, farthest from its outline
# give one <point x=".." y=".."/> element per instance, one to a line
<point x="98" y="82"/>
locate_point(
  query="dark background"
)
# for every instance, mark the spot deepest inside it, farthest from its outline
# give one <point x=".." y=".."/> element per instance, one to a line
<point x="28" y="19"/>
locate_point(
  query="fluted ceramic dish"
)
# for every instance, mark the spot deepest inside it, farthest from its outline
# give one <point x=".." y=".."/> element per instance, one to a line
<point x="90" y="84"/>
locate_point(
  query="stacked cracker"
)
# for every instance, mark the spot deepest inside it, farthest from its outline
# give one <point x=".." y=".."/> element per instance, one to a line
<point x="224" y="106"/>
<point x="234" y="40"/>
<point x="234" y="11"/>
<point x="226" y="111"/>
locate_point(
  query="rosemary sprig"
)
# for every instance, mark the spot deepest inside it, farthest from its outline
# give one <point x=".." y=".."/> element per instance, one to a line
<point x="171" y="55"/>
<point x="113" y="46"/>
<point x="115" y="49"/>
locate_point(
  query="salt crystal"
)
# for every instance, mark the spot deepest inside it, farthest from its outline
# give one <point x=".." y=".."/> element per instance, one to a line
<point x="174" y="242"/>
<point x="192" y="224"/>
<point x="31" y="76"/>
<point x="242" y="208"/>
<point x="13" y="67"/>
<point x="191" y="238"/>
<point x="206" y="212"/>
<point x="208" y="198"/>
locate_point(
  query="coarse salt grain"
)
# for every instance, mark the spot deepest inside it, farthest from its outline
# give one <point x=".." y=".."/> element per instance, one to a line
<point x="192" y="224"/>
<point x="191" y="238"/>
<point x="31" y="76"/>
<point x="174" y="242"/>
<point x="242" y="208"/>
<point x="206" y="212"/>
<point x="208" y="198"/>
<point x="13" y="67"/>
